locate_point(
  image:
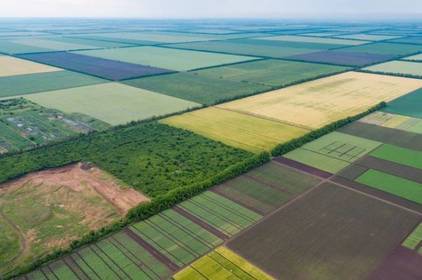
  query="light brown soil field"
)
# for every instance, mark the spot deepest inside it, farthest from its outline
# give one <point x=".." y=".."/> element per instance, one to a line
<point x="317" y="103"/>
<point x="46" y="210"/>
<point x="11" y="66"/>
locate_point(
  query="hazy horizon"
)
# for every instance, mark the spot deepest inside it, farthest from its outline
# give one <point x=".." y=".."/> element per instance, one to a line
<point x="213" y="9"/>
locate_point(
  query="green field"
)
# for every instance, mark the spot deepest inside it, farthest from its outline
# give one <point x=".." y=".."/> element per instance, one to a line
<point x="221" y="213"/>
<point x="176" y="237"/>
<point x="368" y="37"/>
<point x="41" y="82"/>
<point x="392" y="184"/>
<point x="45" y="43"/>
<point x="306" y="39"/>
<point x="246" y="47"/>
<point x="173" y="59"/>
<point x="413" y="241"/>
<point x="269" y="72"/>
<point x="385" y="48"/>
<point x="236" y="129"/>
<point x="408" y="105"/>
<point x="197" y="88"/>
<point x="25" y="125"/>
<point x="113" y="103"/>
<point x="333" y="152"/>
<point x="221" y="264"/>
<point x="266" y="188"/>
<point x="399" y="155"/>
<point x="92" y="43"/>
<point x="10" y="47"/>
<point x="413" y="69"/>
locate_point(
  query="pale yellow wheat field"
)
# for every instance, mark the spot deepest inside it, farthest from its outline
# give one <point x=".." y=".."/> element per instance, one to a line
<point x="317" y="103"/>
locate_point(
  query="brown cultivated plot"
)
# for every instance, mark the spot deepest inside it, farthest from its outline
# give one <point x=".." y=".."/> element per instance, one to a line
<point x="317" y="103"/>
<point x="331" y="233"/>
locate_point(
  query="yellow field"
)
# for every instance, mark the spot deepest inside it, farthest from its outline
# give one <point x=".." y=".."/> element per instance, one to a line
<point x="317" y="103"/>
<point x="11" y="66"/>
<point x="236" y="129"/>
<point x="222" y="264"/>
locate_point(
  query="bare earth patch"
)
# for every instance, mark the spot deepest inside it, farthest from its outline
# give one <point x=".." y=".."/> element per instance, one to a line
<point x="49" y="209"/>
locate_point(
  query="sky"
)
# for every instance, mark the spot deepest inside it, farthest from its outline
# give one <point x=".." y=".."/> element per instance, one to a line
<point x="391" y="9"/>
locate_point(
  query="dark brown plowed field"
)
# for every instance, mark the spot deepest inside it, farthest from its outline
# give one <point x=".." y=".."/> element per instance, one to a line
<point x="385" y="135"/>
<point x="331" y="233"/>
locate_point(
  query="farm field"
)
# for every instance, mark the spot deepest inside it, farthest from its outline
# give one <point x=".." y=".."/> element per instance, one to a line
<point x="98" y="67"/>
<point x="26" y="125"/>
<point x="417" y="57"/>
<point x="339" y="57"/>
<point x="213" y="85"/>
<point x="236" y="129"/>
<point x="295" y="38"/>
<point x="333" y="152"/>
<point x="221" y="213"/>
<point x="406" y="105"/>
<point x="389" y="183"/>
<point x="112" y="103"/>
<point x="330" y="224"/>
<point x="221" y="264"/>
<point x="49" y="215"/>
<point x="15" y="86"/>
<point x="386" y="49"/>
<point x="325" y="100"/>
<point x="389" y="120"/>
<point x="410" y="40"/>
<point x="408" y="68"/>
<point x="166" y="58"/>
<point x="11" y="66"/>
<point x="368" y="37"/>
